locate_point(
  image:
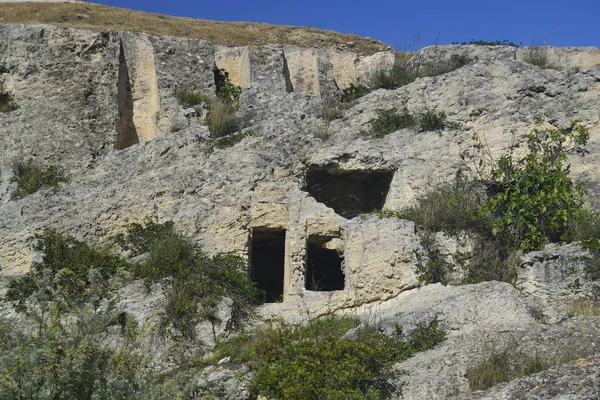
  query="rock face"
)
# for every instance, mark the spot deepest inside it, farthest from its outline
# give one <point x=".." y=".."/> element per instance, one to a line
<point x="104" y="106"/>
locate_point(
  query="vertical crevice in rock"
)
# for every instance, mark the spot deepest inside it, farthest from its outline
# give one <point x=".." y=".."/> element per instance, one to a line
<point x="286" y="75"/>
<point x="126" y="130"/>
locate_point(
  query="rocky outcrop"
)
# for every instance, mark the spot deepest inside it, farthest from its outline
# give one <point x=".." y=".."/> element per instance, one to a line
<point x="104" y="106"/>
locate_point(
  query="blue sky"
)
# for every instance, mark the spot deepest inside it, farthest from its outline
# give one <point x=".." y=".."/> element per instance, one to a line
<point x="559" y="23"/>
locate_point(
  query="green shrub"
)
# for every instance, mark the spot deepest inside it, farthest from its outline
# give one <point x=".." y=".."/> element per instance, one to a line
<point x="432" y="121"/>
<point x="199" y="282"/>
<point x="224" y="142"/>
<point x="389" y="121"/>
<point x="454" y="208"/>
<point x="7" y="101"/>
<point x="533" y="198"/>
<point x="71" y="272"/>
<point x="354" y="92"/>
<point x="450" y="208"/>
<point x="226" y="90"/>
<point x="190" y="99"/>
<point x="31" y="177"/>
<point x="323" y="361"/>
<point x="221" y="119"/>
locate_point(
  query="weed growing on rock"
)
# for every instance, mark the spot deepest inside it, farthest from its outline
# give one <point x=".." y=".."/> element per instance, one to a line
<point x="432" y="121"/>
<point x="7" y="101"/>
<point x="354" y="92"/>
<point x="586" y="307"/>
<point x="221" y="119"/>
<point x="389" y="121"/>
<point x="189" y="99"/>
<point x="332" y="357"/>
<point x="226" y="90"/>
<point x="538" y="56"/>
<point x="31" y="177"/>
<point x="510" y="362"/>
<point x="224" y="142"/>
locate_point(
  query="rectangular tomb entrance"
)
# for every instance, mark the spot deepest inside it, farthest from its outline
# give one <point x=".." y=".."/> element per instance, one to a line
<point x="323" y="265"/>
<point x="349" y="193"/>
<point x="267" y="259"/>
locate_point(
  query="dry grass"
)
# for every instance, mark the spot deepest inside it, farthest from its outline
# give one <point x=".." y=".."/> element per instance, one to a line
<point x="104" y="18"/>
<point x="589" y="308"/>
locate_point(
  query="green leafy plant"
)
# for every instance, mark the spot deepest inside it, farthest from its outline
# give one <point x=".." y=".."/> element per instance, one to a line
<point x="224" y="142"/>
<point x="190" y="99"/>
<point x="332" y="358"/>
<point x="533" y="198"/>
<point x="389" y="121"/>
<point x="226" y="90"/>
<point x="430" y="120"/>
<point x="31" y="177"/>
<point x="71" y="272"/>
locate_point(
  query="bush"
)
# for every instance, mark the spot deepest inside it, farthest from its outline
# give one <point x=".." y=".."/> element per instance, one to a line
<point x="189" y="99"/>
<point x="533" y="199"/>
<point x="322" y="360"/>
<point x="354" y="92"/>
<point x="31" y="177"/>
<point x="432" y="121"/>
<point x="199" y="282"/>
<point x="226" y="91"/>
<point x="389" y="121"/>
<point x="538" y="56"/>
<point x="224" y="142"/>
<point x="71" y="272"/>
<point x="7" y="101"/>
<point x="221" y="119"/>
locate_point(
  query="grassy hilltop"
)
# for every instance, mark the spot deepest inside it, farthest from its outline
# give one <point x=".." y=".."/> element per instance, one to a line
<point x="100" y="17"/>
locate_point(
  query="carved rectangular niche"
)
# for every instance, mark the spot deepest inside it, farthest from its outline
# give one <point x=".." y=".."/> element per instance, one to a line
<point x="267" y="261"/>
<point x="349" y="193"/>
<point x="324" y="264"/>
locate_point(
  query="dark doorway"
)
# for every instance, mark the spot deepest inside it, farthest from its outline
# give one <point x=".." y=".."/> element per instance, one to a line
<point x="349" y="193"/>
<point x="323" y="267"/>
<point x="267" y="255"/>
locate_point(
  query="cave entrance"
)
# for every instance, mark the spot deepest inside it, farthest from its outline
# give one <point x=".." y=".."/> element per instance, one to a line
<point x="267" y="261"/>
<point x="323" y="265"/>
<point x="349" y="193"/>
